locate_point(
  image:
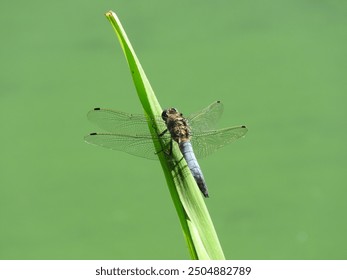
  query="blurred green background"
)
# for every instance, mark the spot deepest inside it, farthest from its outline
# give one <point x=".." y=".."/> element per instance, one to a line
<point x="279" y="67"/>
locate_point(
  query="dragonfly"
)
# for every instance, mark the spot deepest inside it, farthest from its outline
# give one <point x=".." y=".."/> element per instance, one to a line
<point x="196" y="134"/>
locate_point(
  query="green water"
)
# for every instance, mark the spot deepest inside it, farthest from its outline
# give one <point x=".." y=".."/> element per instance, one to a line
<point x="279" y="67"/>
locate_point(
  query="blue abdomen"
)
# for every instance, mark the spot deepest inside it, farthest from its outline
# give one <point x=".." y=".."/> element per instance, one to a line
<point x="188" y="154"/>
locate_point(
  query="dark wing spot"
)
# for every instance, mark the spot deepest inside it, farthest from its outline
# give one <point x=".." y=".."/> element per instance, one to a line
<point x="243" y="126"/>
<point x="94" y="133"/>
<point x="218" y="101"/>
<point x="97" y="109"/>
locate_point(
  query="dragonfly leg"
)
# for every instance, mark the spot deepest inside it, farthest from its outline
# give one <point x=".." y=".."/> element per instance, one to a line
<point x="167" y="152"/>
<point x="170" y="153"/>
<point x="176" y="163"/>
<point x="162" y="150"/>
<point x="161" y="134"/>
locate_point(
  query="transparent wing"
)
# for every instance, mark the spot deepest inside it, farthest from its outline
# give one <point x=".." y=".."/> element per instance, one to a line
<point x="207" y="118"/>
<point x="141" y="146"/>
<point x="130" y="132"/>
<point x="119" y="122"/>
<point x="136" y="124"/>
<point x="206" y="143"/>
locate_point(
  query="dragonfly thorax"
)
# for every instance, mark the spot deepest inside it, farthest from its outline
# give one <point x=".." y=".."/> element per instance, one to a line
<point x="177" y="125"/>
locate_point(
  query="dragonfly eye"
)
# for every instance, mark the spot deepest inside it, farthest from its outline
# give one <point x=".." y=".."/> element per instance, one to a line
<point x="164" y="115"/>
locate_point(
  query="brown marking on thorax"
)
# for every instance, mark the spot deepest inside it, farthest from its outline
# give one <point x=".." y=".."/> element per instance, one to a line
<point x="177" y="125"/>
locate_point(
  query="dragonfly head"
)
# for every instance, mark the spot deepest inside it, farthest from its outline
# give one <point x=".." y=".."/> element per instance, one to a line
<point x="171" y="112"/>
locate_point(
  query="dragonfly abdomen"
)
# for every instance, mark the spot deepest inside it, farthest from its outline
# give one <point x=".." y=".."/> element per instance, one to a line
<point x="188" y="154"/>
